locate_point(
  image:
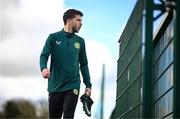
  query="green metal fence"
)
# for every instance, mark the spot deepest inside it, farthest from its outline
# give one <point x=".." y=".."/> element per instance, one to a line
<point x="148" y="65"/>
<point x="129" y="74"/>
<point x="163" y="57"/>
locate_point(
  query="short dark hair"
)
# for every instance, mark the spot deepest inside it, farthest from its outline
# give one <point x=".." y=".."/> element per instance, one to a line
<point x="70" y="13"/>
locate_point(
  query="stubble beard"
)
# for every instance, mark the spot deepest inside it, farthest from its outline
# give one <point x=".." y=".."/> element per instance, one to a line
<point x="75" y="30"/>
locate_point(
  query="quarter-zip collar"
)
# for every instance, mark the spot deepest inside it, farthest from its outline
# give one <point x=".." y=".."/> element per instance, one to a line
<point x="67" y="34"/>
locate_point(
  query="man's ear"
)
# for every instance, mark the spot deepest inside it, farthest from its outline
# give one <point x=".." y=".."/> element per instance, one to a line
<point x="69" y="21"/>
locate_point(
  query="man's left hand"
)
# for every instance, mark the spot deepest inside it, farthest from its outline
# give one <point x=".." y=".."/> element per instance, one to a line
<point x="88" y="91"/>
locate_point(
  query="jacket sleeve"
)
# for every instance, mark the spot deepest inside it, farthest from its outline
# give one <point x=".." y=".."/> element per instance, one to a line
<point x="84" y="66"/>
<point x="45" y="53"/>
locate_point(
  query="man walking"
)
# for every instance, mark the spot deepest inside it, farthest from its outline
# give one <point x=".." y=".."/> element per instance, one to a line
<point x="68" y="54"/>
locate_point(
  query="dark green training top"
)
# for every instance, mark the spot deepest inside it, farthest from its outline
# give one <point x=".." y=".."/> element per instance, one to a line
<point x="68" y="53"/>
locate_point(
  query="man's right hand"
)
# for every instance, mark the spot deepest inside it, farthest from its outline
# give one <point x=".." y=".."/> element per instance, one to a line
<point x="45" y="73"/>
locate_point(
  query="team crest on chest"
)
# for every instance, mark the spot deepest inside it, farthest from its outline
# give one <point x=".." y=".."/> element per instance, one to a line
<point x="76" y="45"/>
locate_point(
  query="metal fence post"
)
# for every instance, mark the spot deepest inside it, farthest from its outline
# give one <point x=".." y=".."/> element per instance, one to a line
<point x="147" y="69"/>
<point x="177" y="61"/>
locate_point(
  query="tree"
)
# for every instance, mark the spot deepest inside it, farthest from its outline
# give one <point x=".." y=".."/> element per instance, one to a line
<point x="19" y="109"/>
<point x="1" y="115"/>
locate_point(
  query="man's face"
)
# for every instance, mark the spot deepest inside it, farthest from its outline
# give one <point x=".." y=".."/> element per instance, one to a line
<point x="76" y="23"/>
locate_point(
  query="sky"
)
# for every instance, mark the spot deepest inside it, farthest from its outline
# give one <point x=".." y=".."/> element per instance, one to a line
<point x="24" y="28"/>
